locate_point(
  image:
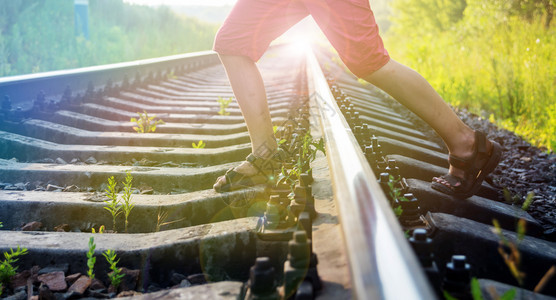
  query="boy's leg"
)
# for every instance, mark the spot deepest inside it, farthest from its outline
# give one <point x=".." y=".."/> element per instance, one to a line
<point x="250" y="93"/>
<point x="242" y="39"/>
<point x="412" y="90"/>
<point x="351" y="28"/>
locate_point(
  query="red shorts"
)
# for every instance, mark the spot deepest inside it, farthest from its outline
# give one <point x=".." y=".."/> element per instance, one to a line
<point x="349" y="25"/>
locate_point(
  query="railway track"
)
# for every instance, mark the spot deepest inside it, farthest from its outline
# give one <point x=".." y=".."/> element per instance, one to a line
<point x="187" y="241"/>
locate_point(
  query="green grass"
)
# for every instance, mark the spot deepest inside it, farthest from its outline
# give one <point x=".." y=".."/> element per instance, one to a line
<point x="491" y="62"/>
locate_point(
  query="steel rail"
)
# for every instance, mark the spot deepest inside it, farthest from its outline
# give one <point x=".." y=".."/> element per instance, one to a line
<point x="382" y="263"/>
<point x="23" y="89"/>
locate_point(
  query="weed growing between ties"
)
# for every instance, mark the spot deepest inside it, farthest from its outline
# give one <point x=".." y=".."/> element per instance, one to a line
<point x="115" y="206"/>
<point x="161" y="217"/>
<point x="145" y="124"/>
<point x="101" y="229"/>
<point x="115" y="276"/>
<point x="307" y="150"/>
<point x="199" y="145"/>
<point x="224" y="103"/>
<point x="509" y="250"/>
<point x="7" y="268"/>
<point x="395" y="193"/>
<point x="91" y="259"/>
<point x="127" y="205"/>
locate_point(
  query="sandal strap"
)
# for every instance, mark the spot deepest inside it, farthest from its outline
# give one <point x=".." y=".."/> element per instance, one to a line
<point x="263" y="165"/>
<point x="480" y="148"/>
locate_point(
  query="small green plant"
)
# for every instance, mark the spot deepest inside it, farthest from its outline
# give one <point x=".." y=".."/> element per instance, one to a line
<point x="100" y="229"/>
<point x="289" y="177"/>
<point x="145" y="124"/>
<point x="115" y="276"/>
<point x="7" y="268"/>
<point x="224" y="103"/>
<point x="510" y="250"/>
<point x="112" y="205"/>
<point x="127" y="206"/>
<point x="395" y="192"/>
<point x="161" y="217"/>
<point x="91" y="259"/>
<point x="398" y="210"/>
<point x="199" y="145"/>
<point x="1" y="225"/>
<point x="528" y="201"/>
<point x="171" y="75"/>
<point x="509" y="198"/>
<point x="308" y="150"/>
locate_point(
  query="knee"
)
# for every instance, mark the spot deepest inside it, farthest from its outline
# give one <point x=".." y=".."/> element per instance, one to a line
<point x="368" y="65"/>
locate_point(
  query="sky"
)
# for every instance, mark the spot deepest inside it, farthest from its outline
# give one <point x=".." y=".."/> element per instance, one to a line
<point x="183" y="2"/>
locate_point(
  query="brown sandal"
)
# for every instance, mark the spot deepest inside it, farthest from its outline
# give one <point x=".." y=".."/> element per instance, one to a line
<point x="267" y="170"/>
<point x="481" y="163"/>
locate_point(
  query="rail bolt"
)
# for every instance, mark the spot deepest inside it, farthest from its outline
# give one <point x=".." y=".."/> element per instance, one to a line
<point x="306" y="178"/>
<point x="304" y="223"/>
<point x="393" y="169"/>
<point x="6" y="103"/>
<point x="411" y="214"/>
<point x="422" y="245"/>
<point x="272" y="213"/>
<point x="458" y="277"/>
<point x="301" y="265"/>
<point x="261" y="280"/>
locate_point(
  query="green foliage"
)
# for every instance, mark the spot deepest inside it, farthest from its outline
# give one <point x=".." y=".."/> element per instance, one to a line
<point x="307" y="150"/>
<point x="508" y="198"/>
<point x="116" y="207"/>
<point x="224" y="103"/>
<point x="447" y="296"/>
<point x="476" y="289"/>
<point x="485" y="56"/>
<point x="396" y="192"/>
<point x="528" y="201"/>
<point x="199" y="145"/>
<point x="115" y="276"/>
<point x="113" y="206"/>
<point x="91" y="259"/>
<point x="38" y="35"/>
<point x="1" y="225"/>
<point x="100" y="229"/>
<point x="161" y="217"/>
<point x="509" y="294"/>
<point x="398" y="210"/>
<point x="145" y="124"/>
<point x="7" y="269"/>
<point x="509" y="250"/>
<point x="127" y="205"/>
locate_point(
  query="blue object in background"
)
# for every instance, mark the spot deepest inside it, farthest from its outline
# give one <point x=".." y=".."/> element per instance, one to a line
<point x="81" y="18"/>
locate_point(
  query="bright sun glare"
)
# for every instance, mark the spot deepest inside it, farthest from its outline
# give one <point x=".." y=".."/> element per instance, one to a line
<point x="300" y="37"/>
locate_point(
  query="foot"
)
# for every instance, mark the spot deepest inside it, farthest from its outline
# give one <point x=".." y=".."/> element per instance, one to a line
<point x="245" y="168"/>
<point x="467" y="171"/>
<point x="466" y="152"/>
<point x="253" y="171"/>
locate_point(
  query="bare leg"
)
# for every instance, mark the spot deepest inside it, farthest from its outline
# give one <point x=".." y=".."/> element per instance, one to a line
<point x="250" y="93"/>
<point x="412" y="90"/>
